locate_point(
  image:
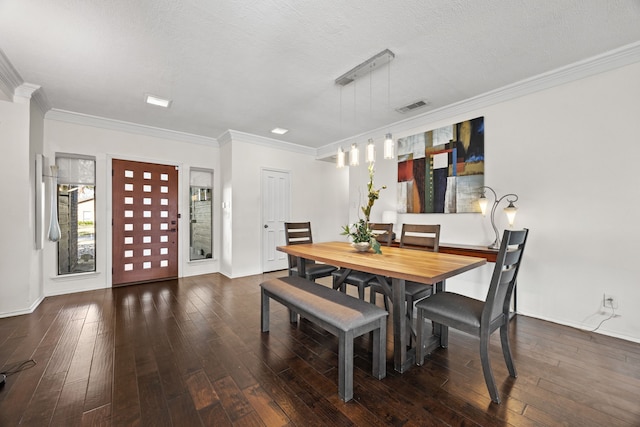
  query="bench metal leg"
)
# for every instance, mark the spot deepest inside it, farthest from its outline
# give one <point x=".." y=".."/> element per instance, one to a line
<point x="345" y="366"/>
<point x="379" y="357"/>
<point x="264" y="312"/>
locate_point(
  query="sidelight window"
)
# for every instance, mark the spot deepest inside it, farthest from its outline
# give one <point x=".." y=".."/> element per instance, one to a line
<point x="201" y="214"/>
<point x="76" y="214"/>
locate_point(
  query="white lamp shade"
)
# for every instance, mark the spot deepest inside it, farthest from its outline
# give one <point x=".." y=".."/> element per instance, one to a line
<point x="340" y="158"/>
<point x="388" y="147"/>
<point x="483" y="202"/>
<point x="511" y="211"/>
<point x="371" y="151"/>
<point x="354" y="155"/>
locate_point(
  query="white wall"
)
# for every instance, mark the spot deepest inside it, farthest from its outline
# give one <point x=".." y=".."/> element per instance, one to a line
<point x="36" y="147"/>
<point x="318" y="194"/>
<point x="105" y="145"/>
<point x="569" y="152"/>
<point x="226" y="238"/>
<point x="17" y="245"/>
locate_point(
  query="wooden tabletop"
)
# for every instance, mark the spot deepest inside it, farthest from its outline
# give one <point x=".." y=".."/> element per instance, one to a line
<point x="419" y="266"/>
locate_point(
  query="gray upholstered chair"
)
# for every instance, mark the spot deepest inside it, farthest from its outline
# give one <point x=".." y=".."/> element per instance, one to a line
<point x="298" y="233"/>
<point x="414" y="236"/>
<point x="479" y="318"/>
<point x="359" y="278"/>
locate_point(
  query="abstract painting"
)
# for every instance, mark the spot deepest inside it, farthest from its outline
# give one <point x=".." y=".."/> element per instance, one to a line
<point x="442" y="170"/>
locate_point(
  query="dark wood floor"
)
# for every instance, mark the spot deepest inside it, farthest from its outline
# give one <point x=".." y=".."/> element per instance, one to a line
<point x="189" y="352"/>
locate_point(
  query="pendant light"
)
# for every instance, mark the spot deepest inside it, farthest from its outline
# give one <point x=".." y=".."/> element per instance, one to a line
<point x="340" y="158"/>
<point x="371" y="151"/>
<point x="354" y="155"/>
<point x="389" y="148"/>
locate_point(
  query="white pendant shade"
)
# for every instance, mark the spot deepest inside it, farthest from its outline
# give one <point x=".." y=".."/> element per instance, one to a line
<point x="354" y="155"/>
<point x="340" y="158"/>
<point x="388" y="147"/>
<point x="371" y="151"/>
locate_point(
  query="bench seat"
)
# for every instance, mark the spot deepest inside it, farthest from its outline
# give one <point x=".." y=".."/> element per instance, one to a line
<point x="337" y="313"/>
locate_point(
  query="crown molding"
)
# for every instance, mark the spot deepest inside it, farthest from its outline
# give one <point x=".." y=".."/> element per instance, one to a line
<point x="119" y="125"/>
<point x="41" y="101"/>
<point x="617" y="58"/>
<point x="225" y="138"/>
<point x="9" y="77"/>
<point x="232" y="135"/>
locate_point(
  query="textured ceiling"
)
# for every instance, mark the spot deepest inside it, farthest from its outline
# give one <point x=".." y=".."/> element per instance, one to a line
<point x="253" y="65"/>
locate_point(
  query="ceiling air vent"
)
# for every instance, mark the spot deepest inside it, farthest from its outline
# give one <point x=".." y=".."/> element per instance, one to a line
<point x="411" y="107"/>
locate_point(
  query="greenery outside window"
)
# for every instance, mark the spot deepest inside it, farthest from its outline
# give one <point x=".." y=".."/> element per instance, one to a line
<point x="76" y="214"/>
<point x="200" y="214"/>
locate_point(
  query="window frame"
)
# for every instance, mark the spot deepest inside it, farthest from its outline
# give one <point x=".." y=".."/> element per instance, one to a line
<point x="75" y="179"/>
<point x="201" y="186"/>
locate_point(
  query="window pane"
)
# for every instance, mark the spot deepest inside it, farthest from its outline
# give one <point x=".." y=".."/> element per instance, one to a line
<point x="200" y="222"/>
<point x="76" y="170"/>
<point x="76" y="213"/>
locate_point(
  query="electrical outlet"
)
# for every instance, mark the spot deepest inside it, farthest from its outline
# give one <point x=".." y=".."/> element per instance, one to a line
<point x="609" y="301"/>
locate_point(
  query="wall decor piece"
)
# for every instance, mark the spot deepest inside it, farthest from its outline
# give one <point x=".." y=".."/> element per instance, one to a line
<point x="442" y="170"/>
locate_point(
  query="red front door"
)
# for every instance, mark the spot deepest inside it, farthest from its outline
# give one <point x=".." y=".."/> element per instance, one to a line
<point x="145" y="222"/>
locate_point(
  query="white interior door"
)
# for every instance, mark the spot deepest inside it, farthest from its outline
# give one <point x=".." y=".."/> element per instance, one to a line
<point x="275" y="211"/>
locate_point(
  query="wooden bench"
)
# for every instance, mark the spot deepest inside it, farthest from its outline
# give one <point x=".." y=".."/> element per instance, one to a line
<point x="342" y="315"/>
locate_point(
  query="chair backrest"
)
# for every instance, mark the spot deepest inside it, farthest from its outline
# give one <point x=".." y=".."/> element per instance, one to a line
<point x="296" y="233"/>
<point x="504" y="277"/>
<point x="383" y="232"/>
<point x="421" y="236"/>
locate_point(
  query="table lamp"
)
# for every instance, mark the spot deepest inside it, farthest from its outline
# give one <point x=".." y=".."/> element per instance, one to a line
<point x="510" y="210"/>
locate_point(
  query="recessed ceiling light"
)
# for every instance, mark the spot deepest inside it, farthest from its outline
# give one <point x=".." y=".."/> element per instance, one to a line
<point x="279" y="131"/>
<point x="160" y="102"/>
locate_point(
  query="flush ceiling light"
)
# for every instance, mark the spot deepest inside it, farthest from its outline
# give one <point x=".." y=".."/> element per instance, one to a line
<point x="159" y="102"/>
<point x="279" y="131"/>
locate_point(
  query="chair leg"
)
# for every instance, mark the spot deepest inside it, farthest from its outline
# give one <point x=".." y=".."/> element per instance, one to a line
<point x="486" y="367"/>
<point x="420" y="351"/>
<point x="372" y="296"/>
<point x="506" y="349"/>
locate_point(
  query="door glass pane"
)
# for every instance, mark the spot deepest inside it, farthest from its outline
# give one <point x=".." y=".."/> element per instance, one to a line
<point x="200" y="215"/>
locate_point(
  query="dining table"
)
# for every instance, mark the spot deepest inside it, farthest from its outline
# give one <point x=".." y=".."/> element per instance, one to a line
<point x="396" y="265"/>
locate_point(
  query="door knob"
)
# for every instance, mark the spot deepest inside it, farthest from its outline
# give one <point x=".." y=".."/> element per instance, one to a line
<point x="266" y="226"/>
